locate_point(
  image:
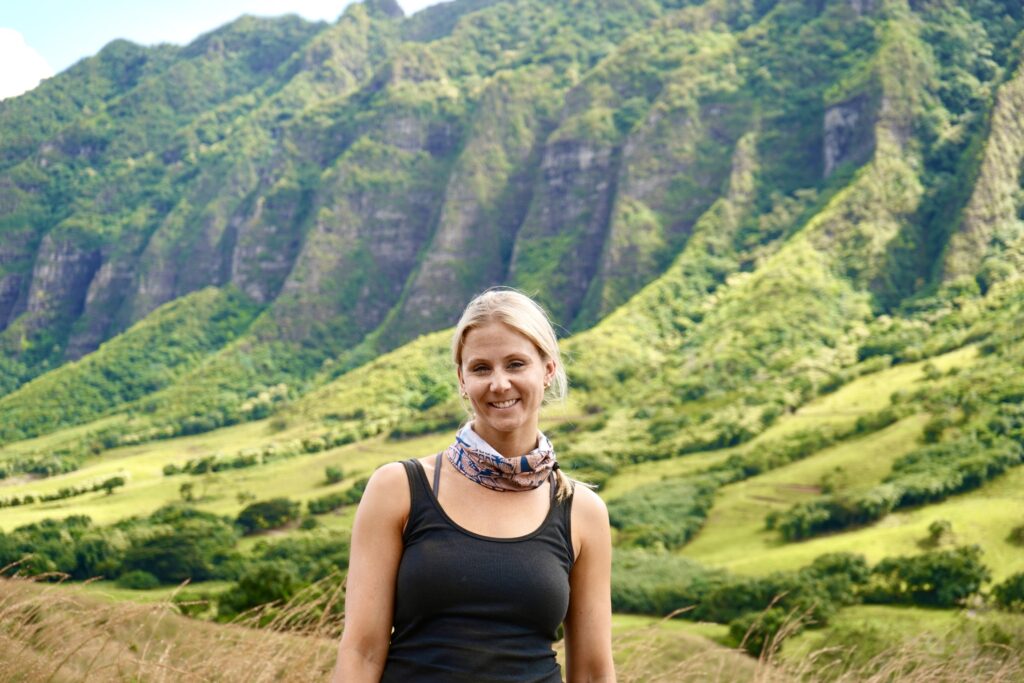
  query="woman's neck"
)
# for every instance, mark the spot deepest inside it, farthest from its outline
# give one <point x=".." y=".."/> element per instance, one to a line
<point x="511" y="444"/>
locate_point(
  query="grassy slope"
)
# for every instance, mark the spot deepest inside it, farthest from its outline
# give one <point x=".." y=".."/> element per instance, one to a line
<point x="733" y="537"/>
<point x="78" y="634"/>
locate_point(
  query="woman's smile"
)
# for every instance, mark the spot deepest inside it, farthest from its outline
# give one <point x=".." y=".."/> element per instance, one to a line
<point x="505" y="404"/>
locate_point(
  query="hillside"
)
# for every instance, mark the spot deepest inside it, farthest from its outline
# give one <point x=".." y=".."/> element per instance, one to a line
<point x="840" y="159"/>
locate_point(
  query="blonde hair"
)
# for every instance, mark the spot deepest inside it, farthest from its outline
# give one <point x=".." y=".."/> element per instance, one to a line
<point x="524" y="315"/>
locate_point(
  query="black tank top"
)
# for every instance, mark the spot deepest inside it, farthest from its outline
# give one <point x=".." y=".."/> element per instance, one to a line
<point x="471" y="608"/>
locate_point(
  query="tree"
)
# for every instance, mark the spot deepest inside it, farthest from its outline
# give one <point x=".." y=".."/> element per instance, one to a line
<point x="1010" y="593"/>
<point x="938" y="531"/>
<point x="112" y="483"/>
<point x="333" y="474"/>
<point x="762" y="632"/>
<point x="270" y="582"/>
<point x="940" y="578"/>
<point x="186" y="490"/>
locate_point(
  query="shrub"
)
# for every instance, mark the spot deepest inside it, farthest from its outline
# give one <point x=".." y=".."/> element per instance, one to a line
<point x="333" y="474"/>
<point x="940" y="578"/>
<point x="762" y="632"/>
<point x="262" y="584"/>
<point x="138" y="579"/>
<point x="325" y="504"/>
<point x="663" y="515"/>
<point x="171" y="557"/>
<point x="267" y="514"/>
<point x="938" y="531"/>
<point x="1010" y="593"/>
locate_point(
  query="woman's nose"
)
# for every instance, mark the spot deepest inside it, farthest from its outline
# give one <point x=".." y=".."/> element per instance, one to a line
<point x="499" y="382"/>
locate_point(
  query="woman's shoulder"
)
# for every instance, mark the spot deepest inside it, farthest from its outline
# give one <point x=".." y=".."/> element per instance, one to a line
<point x="388" y="484"/>
<point x="394" y="477"/>
<point x="586" y="502"/>
<point x="589" y="513"/>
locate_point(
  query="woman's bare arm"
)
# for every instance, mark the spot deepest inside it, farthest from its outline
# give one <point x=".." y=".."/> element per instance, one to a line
<point x="588" y="625"/>
<point x="370" y="588"/>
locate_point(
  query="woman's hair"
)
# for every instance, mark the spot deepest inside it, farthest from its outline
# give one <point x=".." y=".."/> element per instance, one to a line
<point x="525" y="316"/>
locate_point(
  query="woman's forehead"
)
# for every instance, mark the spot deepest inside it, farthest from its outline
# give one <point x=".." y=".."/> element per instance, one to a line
<point x="495" y="338"/>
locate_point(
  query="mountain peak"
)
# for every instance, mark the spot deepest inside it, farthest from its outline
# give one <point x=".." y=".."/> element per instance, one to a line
<point x="388" y="8"/>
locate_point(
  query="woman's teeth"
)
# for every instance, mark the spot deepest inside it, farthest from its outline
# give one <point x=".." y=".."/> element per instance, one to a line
<point x="506" y="404"/>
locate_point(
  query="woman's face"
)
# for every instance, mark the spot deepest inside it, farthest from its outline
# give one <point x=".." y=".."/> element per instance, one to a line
<point x="504" y="376"/>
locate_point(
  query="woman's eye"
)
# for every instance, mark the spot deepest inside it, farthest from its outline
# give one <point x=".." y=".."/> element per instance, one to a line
<point x="516" y="364"/>
<point x="480" y="368"/>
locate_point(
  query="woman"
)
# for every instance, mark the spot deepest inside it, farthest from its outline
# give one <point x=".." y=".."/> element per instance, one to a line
<point x="476" y="555"/>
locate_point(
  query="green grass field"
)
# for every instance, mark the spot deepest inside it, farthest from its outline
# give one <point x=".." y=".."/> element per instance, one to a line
<point x="733" y="537"/>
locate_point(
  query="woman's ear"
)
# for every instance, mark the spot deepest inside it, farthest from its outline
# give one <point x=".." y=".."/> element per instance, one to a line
<point x="549" y="371"/>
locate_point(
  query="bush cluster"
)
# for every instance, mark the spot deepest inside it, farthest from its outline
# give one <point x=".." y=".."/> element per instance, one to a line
<point x="665" y="515"/>
<point x="269" y="453"/>
<point x="64" y="492"/>
<point x="267" y="514"/>
<point x="40" y="465"/>
<point x="277" y="570"/>
<point x="334" y="501"/>
<point x="644" y="582"/>
<point x="175" y="543"/>
<point x="926" y="475"/>
<point x="940" y="578"/>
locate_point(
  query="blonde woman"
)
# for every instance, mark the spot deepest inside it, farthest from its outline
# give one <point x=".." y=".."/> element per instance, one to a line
<point x="465" y="563"/>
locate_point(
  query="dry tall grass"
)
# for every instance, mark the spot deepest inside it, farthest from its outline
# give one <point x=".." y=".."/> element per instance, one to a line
<point x="52" y="633"/>
<point x="56" y="633"/>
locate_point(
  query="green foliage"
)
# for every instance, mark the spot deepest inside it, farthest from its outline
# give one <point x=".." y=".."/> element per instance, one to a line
<point x="138" y="579"/>
<point x="333" y="474"/>
<point x="648" y="583"/>
<point x="276" y="572"/>
<point x="940" y="578"/>
<point x="760" y="632"/>
<point x="267" y="514"/>
<point x="108" y="485"/>
<point x="926" y="475"/>
<point x="197" y="551"/>
<point x="939" y="531"/>
<point x="1010" y="593"/>
<point x="272" y="582"/>
<point x="334" y="501"/>
<point x="664" y="515"/>
<point x="146" y="358"/>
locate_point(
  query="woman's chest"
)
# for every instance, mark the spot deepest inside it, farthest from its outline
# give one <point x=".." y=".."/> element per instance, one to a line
<point x="495" y="514"/>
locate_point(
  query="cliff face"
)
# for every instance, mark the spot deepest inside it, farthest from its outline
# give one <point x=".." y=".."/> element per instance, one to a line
<point x="990" y="238"/>
<point x="485" y="200"/>
<point x="357" y="183"/>
<point x="59" y="282"/>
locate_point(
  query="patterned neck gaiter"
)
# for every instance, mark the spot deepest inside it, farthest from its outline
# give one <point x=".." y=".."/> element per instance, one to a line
<point x="479" y="462"/>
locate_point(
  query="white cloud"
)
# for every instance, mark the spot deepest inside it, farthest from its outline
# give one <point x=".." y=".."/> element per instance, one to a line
<point x="21" y="67"/>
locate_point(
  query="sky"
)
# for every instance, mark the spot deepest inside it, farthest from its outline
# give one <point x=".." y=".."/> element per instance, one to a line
<point x="39" y="38"/>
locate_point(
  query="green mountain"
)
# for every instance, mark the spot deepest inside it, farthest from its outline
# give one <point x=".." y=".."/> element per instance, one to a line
<point x="758" y="181"/>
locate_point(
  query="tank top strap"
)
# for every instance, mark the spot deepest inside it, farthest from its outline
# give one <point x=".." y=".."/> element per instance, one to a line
<point x="419" y="492"/>
<point x="560" y="524"/>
